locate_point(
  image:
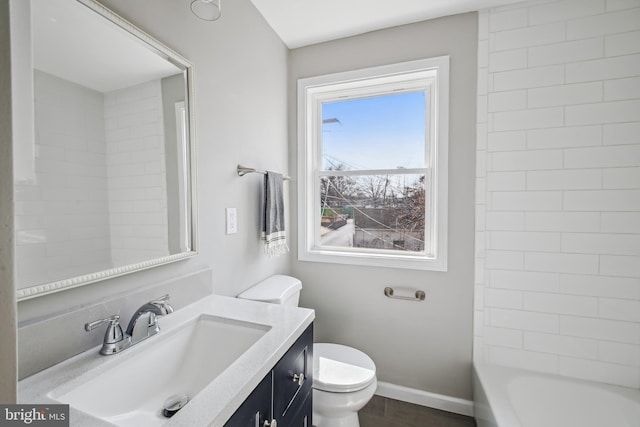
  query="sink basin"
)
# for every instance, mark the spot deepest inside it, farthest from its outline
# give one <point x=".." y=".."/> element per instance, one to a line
<point x="131" y="388"/>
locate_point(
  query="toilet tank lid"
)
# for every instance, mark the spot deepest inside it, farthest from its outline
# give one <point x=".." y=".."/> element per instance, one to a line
<point x="274" y="289"/>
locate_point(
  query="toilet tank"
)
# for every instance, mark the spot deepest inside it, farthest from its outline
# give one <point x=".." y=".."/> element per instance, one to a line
<point x="278" y="289"/>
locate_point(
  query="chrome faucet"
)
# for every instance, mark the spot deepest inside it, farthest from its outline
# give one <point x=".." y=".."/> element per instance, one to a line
<point x="143" y="325"/>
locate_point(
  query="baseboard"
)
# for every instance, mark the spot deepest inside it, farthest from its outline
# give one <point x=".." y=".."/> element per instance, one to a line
<point x="425" y="398"/>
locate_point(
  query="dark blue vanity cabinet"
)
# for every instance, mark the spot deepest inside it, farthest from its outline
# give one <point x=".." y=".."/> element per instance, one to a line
<point x="256" y="409"/>
<point x="284" y="395"/>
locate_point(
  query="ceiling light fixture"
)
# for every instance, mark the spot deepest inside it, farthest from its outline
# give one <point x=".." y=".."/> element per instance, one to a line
<point x="208" y="10"/>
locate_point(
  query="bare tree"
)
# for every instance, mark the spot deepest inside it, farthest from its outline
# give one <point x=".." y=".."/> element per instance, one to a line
<point x="375" y="189"/>
<point x="412" y="213"/>
<point x="335" y="189"/>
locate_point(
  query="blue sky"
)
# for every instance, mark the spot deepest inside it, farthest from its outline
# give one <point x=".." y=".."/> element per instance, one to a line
<point x="383" y="132"/>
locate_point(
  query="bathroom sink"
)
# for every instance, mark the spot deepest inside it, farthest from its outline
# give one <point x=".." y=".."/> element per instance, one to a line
<point x="130" y="389"/>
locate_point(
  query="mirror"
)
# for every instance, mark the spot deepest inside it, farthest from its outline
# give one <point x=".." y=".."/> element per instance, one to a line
<point x="105" y="186"/>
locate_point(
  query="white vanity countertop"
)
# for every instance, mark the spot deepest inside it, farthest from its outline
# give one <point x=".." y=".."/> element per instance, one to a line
<point x="219" y="399"/>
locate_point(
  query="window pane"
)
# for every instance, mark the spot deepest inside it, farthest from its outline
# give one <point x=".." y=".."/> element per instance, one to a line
<point x="373" y="211"/>
<point x="381" y="132"/>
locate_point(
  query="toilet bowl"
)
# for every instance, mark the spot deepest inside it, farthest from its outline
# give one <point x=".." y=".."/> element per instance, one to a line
<point x="344" y="378"/>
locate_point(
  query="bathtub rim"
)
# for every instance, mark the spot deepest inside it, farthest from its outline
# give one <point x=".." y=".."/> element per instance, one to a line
<point x="496" y="377"/>
<point x="497" y="402"/>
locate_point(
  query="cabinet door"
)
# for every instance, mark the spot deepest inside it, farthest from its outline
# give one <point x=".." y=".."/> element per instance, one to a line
<point x="256" y="409"/>
<point x="292" y="378"/>
<point x="301" y="417"/>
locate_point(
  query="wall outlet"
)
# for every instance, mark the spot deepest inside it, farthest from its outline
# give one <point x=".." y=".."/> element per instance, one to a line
<point x="232" y="220"/>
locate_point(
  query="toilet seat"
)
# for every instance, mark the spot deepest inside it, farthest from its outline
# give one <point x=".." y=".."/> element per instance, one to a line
<point x="341" y="369"/>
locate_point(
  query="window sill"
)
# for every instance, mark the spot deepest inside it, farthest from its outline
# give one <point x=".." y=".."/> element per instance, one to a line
<point x="413" y="262"/>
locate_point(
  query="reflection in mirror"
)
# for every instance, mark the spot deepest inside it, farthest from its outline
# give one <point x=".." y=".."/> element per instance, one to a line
<point x="108" y="188"/>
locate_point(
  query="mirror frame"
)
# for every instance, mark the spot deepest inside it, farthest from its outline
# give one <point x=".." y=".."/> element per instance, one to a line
<point x="179" y="61"/>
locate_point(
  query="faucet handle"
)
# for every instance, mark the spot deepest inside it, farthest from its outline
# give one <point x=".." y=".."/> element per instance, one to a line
<point x="163" y="304"/>
<point x="114" y="339"/>
<point x="112" y="320"/>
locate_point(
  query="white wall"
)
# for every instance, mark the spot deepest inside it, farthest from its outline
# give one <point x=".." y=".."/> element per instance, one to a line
<point x="240" y="70"/>
<point x="558" y="189"/>
<point x="424" y="346"/>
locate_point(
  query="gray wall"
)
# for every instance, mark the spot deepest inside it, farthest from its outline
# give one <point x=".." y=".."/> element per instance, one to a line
<point x="8" y="357"/>
<point x="425" y="346"/>
<point x="241" y="85"/>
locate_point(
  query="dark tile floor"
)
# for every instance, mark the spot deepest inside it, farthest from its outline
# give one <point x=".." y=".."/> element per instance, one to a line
<point x="384" y="412"/>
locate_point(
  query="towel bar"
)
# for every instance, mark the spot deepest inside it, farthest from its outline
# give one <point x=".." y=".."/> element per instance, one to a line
<point x="420" y="295"/>
<point x="243" y="170"/>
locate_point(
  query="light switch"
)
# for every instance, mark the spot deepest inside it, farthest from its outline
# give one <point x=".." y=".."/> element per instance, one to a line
<point x="232" y="220"/>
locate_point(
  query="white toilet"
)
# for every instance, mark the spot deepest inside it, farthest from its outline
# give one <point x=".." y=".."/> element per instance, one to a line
<point x="344" y="379"/>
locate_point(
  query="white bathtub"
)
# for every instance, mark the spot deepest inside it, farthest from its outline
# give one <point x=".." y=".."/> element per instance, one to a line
<point x="507" y="397"/>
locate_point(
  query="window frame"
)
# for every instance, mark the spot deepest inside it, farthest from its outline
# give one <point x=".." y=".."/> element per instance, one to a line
<point x="430" y="75"/>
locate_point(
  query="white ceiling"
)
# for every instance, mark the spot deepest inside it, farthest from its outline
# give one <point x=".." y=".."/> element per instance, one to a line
<point x="304" y="22"/>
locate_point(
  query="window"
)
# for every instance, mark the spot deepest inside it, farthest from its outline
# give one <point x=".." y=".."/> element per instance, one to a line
<point x="373" y="151"/>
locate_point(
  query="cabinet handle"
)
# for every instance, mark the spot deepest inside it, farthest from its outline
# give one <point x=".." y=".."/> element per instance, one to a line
<point x="273" y="423"/>
<point x="298" y="378"/>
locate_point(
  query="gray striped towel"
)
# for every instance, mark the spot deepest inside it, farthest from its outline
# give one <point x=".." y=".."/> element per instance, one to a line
<point x="272" y="216"/>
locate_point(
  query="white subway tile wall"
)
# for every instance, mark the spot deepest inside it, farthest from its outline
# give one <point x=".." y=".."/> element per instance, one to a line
<point x="98" y="199"/>
<point x="558" y="183"/>
<point x="137" y="173"/>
